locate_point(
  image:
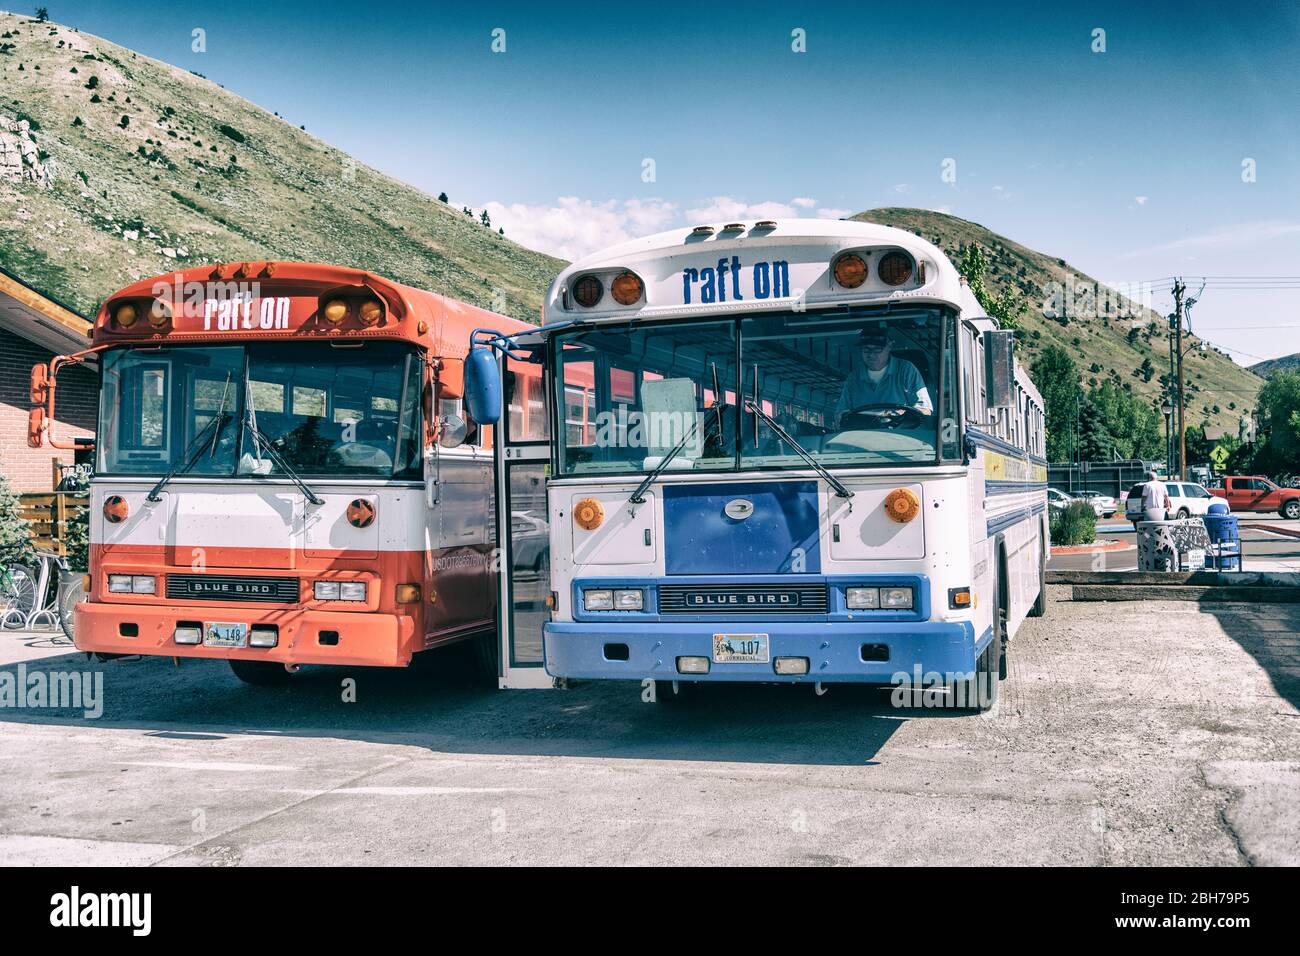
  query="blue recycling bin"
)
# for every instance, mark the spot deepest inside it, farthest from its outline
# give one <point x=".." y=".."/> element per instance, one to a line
<point x="1224" y="553"/>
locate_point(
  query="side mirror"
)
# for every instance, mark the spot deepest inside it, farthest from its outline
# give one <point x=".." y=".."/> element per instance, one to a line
<point x="1000" y="368"/>
<point x="40" y="384"/>
<point x="482" y="386"/>
<point x="36" y="426"/>
<point x="452" y="430"/>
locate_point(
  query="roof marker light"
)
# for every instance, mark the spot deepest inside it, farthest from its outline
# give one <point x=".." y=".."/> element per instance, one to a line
<point x="587" y="291"/>
<point x="894" y="268"/>
<point x="702" y="231"/>
<point x="765" y="224"/>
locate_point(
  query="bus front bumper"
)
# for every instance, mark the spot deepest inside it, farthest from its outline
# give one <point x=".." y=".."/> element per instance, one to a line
<point x="360" y="638"/>
<point x="867" y="652"/>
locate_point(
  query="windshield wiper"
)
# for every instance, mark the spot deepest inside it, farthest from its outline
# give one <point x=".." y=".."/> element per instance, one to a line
<point x="638" y="496"/>
<point x="813" y="463"/>
<point x="261" y="444"/>
<point x="191" y="455"/>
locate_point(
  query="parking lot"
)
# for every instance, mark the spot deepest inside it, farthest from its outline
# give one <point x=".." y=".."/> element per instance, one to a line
<point x="1126" y="734"/>
<point x="1265" y="543"/>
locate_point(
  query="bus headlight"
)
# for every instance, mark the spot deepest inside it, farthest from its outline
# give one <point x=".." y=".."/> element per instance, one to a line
<point x="327" y="590"/>
<point x="629" y="600"/>
<point x="862" y="599"/>
<point x="601" y="600"/>
<point x="132" y="584"/>
<point x="896" y="598"/>
<point x="352" y="590"/>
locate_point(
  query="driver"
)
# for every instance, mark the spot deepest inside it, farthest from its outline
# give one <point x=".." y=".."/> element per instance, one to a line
<point x="881" y="379"/>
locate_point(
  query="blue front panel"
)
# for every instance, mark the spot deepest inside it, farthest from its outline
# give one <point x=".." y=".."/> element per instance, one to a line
<point x="778" y="532"/>
<point x="834" y="651"/>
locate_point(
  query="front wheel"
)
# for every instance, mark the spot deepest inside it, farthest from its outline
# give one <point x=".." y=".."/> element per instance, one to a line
<point x="1184" y="513"/>
<point x="68" y="601"/>
<point x="1040" y="603"/>
<point x="260" y="673"/>
<point x="1291" y="509"/>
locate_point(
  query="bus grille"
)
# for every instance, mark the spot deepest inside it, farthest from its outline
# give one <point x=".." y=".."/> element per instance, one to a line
<point x="233" y="587"/>
<point x="743" y="599"/>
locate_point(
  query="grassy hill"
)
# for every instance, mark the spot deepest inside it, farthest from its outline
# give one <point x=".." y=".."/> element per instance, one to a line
<point x="1287" y="363"/>
<point x="1107" y="345"/>
<point x="152" y="168"/>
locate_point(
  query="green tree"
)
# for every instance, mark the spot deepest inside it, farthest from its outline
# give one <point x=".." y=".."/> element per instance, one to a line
<point x="1279" y="415"/>
<point x="42" y="14"/>
<point x="1057" y="379"/>
<point x="1133" y="429"/>
<point x="15" y="541"/>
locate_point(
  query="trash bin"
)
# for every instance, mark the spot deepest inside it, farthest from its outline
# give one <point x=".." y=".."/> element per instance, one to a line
<point x="1224" y="552"/>
<point x="1179" y="545"/>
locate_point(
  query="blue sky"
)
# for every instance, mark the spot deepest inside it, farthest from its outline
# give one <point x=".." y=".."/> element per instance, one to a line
<point x="1127" y="162"/>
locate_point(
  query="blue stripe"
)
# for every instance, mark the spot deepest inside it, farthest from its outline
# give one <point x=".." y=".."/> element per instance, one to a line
<point x="1004" y="521"/>
<point x="1002" y="487"/>
<point x="983" y="439"/>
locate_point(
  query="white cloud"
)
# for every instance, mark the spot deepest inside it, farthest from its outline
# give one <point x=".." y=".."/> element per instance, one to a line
<point x="902" y="189"/>
<point x="571" y="227"/>
<point x="574" y="227"/>
<point x="1246" y="234"/>
<point x="1140" y="200"/>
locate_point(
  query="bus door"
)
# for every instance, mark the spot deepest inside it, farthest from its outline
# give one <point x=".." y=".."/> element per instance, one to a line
<point x="522" y="459"/>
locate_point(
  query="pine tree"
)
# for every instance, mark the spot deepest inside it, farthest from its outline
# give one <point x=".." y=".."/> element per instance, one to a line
<point x="442" y="197"/>
<point x="485" y="219"/>
<point x="15" y="541"/>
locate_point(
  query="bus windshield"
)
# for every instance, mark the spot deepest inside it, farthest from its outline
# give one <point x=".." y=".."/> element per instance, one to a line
<point x="852" y="387"/>
<point x="329" y="412"/>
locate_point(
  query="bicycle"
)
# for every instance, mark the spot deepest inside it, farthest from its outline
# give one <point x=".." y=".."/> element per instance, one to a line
<point x="17" y="595"/>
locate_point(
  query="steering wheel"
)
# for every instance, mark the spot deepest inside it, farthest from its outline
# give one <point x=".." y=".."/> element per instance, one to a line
<point x="882" y="415"/>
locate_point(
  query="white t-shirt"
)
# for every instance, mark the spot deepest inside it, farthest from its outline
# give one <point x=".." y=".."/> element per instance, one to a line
<point x="1154" y="495"/>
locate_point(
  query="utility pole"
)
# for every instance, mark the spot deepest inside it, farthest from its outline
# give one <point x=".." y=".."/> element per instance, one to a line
<point x="1179" y="289"/>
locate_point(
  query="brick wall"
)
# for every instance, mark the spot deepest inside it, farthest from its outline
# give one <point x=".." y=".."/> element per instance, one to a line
<point x="29" y="469"/>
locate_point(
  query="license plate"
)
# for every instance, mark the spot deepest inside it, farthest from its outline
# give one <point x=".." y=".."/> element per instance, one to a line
<point x="226" y="635"/>
<point x="740" y="649"/>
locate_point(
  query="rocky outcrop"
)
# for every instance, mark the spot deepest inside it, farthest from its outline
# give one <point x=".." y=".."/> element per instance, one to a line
<point x="20" y="160"/>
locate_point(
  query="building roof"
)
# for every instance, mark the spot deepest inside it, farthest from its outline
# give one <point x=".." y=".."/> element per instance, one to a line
<point x="38" y="318"/>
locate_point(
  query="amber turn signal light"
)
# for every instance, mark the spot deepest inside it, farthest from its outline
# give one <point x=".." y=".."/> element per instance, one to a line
<point x="960" y="599"/>
<point x="370" y="312"/>
<point x="409" y="594"/>
<point x="850" y="271"/>
<point x="588" y="513"/>
<point x="361" y="513"/>
<point x="159" y="314"/>
<point x="626" y="288"/>
<point x="115" y="509"/>
<point x="902" y="505"/>
<point x="124" y="315"/>
<point x="335" y="311"/>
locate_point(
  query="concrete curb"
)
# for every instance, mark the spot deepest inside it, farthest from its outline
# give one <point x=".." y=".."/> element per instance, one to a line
<point x="1100" y="548"/>
<point x="1253" y="579"/>
<point x="1289" y="532"/>
<point x="1182" y="592"/>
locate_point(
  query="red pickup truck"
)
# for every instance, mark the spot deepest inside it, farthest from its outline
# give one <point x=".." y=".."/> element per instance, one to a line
<point x="1254" y="493"/>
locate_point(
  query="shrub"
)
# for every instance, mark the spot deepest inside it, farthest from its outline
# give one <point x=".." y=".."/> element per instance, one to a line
<point x="1076" y="523"/>
<point x="230" y="131"/>
<point x="15" y="541"/>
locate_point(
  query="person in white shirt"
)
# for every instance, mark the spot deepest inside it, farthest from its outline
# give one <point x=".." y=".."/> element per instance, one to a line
<point x="882" y="379"/>
<point x="1155" y="499"/>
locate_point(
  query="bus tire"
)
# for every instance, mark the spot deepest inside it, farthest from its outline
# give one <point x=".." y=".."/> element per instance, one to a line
<point x="1291" y="509"/>
<point x="1001" y="600"/>
<point x="486" y="667"/>
<point x="1040" y="603"/>
<point x="260" y="673"/>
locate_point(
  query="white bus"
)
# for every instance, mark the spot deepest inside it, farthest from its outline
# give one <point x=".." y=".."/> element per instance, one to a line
<point x="793" y="451"/>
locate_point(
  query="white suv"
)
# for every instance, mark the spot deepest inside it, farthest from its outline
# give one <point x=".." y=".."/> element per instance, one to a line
<point x="1186" y="499"/>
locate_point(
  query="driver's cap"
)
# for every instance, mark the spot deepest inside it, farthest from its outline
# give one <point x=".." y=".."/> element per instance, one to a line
<point x="875" y="335"/>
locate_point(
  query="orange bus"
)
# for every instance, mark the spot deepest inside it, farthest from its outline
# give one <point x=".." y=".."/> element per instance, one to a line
<point x="285" y="472"/>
